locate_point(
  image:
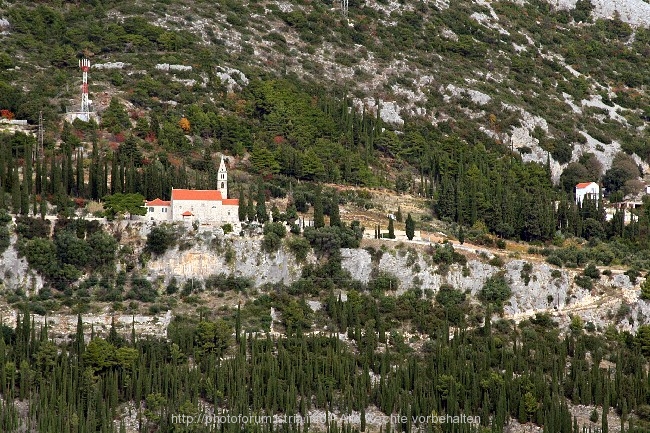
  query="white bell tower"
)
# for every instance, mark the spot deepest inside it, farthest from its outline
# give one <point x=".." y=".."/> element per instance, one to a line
<point x="223" y="179"/>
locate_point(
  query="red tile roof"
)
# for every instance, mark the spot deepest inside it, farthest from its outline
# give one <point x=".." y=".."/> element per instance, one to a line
<point x="196" y="194"/>
<point x="187" y="213"/>
<point x="157" y="202"/>
<point x="583" y="185"/>
<point x="230" y="201"/>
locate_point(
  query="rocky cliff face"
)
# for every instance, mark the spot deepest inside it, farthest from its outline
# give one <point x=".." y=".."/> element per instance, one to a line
<point x="15" y="273"/>
<point x="614" y="298"/>
<point x="536" y="286"/>
<point x="240" y="257"/>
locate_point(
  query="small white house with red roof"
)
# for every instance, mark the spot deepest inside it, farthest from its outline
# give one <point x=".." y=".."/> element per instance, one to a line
<point x="158" y="210"/>
<point x="590" y="190"/>
<point x="203" y="205"/>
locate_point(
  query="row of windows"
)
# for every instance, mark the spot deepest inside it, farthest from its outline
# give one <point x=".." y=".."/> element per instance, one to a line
<point x="153" y="209"/>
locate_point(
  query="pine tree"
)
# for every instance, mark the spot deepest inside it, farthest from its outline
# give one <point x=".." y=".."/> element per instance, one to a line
<point x="410" y="227"/>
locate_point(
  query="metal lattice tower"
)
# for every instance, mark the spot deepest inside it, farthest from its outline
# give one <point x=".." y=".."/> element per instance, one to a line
<point x="84" y="64"/>
<point x="344" y="7"/>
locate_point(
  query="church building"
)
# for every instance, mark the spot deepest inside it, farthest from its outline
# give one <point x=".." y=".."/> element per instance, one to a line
<point x="202" y="205"/>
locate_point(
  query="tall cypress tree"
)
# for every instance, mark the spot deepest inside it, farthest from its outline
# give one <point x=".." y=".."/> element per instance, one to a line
<point x="410" y="227"/>
<point x="80" y="180"/>
<point x="241" y="210"/>
<point x="15" y="192"/>
<point x="319" y="215"/>
<point x="260" y="209"/>
<point x="24" y="198"/>
<point x="250" y="207"/>
<point x="335" y="213"/>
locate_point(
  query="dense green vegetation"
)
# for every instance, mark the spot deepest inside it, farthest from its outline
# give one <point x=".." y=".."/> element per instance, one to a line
<point x="82" y="386"/>
<point x="291" y="126"/>
<point x="306" y="130"/>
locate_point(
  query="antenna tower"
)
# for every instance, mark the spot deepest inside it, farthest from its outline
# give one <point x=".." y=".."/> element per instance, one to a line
<point x="344" y="7"/>
<point x="84" y="64"/>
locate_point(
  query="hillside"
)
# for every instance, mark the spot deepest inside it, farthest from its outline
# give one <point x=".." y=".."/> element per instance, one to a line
<point x="408" y="242"/>
<point x="528" y="75"/>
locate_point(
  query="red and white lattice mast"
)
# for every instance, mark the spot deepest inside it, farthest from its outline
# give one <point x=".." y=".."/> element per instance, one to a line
<point x="84" y="64"/>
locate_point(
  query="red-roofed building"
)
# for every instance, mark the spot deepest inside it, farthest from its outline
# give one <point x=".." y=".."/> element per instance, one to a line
<point x="203" y="205"/>
<point x="587" y="190"/>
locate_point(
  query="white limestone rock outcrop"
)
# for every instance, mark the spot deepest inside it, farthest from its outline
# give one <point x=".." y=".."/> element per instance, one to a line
<point x="201" y="261"/>
<point x="15" y="273"/>
<point x="633" y="12"/>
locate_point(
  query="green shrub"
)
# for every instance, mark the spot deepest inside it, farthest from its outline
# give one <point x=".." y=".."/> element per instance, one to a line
<point x="451" y="301"/>
<point x="223" y="282"/>
<point x="592" y="271"/>
<point x="495" y="291"/>
<point x="554" y="260"/>
<point x="496" y="261"/>
<point x="299" y="246"/>
<point x="273" y="234"/>
<point x="142" y="290"/>
<point x="584" y="282"/>
<point x="160" y="239"/>
<point x="382" y="283"/>
<point x="30" y="228"/>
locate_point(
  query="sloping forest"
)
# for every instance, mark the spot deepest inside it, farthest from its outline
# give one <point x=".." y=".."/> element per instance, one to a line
<point x="497" y="372"/>
<point x="286" y="134"/>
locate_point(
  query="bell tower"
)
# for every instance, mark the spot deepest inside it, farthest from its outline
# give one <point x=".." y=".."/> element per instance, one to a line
<point x="223" y="179"/>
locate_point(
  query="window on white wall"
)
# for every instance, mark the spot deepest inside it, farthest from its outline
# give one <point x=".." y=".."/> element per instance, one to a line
<point x="150" y="209"/>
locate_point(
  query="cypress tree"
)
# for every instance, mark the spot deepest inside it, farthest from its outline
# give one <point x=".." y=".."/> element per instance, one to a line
<point x="391" y="229"/>
<point x="80" y="181"/>
<point x="335" y="213"/>
<point x="15" y="192"/>
<point x="410" y="227"/>
<point x="398" y="215"/>
<point x="43" y="207"/>
<point x="250" y="207"/>
<point x="238" y="323"/>
<point x="27" y="175"/>
<point x="24" y="198"/>
<point x="260" y="209"/>
<point x="319" y="215"/>
<point x="241" y="210"/>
